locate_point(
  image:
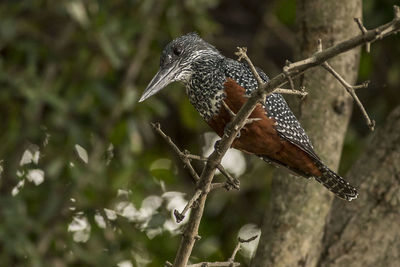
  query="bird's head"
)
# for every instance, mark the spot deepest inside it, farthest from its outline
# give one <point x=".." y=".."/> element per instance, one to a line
<point x="176" y="62"/>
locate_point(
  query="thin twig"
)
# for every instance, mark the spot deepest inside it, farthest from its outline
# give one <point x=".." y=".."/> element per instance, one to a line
<point x="185" y="160"/>
<point x="261" y="84"/>
<point x="232" y="181"/>
<point x="231" y="261"/>
<point x="251" y="120"/>
<point x="350" y="89"/>
<point x="231" y="113"/>
<point x="179" y="216"/>
<point x="288" y="77"/>
<point x="238" y="246"/>
<point x="215" y="264"/>
<point x="225" y="185"/>
<point x="363" y="31"/>
<point x="290" y="92"/>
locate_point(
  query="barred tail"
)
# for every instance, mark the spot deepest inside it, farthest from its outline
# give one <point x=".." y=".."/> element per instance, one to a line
<point x="329" y="178"/>
<point x="336" y="184"/>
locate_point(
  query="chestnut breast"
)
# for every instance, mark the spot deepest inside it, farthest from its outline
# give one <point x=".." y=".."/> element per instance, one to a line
<point x="260" y="137"/>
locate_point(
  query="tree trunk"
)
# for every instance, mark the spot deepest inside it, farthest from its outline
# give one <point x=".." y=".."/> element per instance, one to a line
<point x="298" y="209"/>
<point x="367" y="233"/>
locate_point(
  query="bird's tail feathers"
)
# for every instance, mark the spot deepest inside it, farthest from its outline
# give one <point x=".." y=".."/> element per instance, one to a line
<point x="336" y="184"/>
<point x="332" y="181"/>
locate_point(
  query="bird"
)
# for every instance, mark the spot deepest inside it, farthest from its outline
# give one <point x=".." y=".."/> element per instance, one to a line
<point x="217" y="86"/>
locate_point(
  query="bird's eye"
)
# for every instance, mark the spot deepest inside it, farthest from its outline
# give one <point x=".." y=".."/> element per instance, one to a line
<point x="177" y="50"/>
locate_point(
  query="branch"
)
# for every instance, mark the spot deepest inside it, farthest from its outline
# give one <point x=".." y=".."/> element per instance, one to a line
<point x="179" y="216"/>
<point x="293" y="69"/>
<point x="215" y="264"/>
<point x="231" y="182"/>
<point x="182" y="156"/>
<point x="290" y="92"/>
<point x="185" y="157"/>
<point x="363" y="31"/>
<point x="230" y="262"/>
<point x="238" y="246"/>
<point x="369" y="36"/>
<point x="350" y="89"/>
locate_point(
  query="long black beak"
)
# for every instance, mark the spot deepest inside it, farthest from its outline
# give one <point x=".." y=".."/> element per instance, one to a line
<point x="163" y="77"/>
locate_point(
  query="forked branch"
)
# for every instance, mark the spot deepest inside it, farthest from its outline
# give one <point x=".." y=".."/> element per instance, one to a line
<point x="185" y="160"/>
<point x="351" y="90"/>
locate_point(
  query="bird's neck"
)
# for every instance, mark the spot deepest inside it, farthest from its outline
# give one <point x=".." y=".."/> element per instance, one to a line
<point x="205" y="85"/>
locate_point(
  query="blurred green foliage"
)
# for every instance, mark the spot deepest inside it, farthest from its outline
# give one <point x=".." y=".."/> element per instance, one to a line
<point x="71" y="73"/>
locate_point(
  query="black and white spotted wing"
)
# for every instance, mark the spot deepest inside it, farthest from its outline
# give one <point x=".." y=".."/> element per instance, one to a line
<point x="276" y="107"/>
<point x="288" y="126"/>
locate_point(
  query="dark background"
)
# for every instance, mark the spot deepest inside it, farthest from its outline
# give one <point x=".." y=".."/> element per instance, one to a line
<point x="71" y="73"/>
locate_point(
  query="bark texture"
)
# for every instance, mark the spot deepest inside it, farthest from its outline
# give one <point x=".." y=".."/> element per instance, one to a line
<point x="367" y="233"/>
<point x="294" y="221"/>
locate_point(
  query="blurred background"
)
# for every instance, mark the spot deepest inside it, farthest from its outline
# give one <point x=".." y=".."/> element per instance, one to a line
<point x="84" y="181"/>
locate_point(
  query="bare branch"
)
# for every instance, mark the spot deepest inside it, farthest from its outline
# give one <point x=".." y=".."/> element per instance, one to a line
<point x="231" y="261"/>
<point x="228" y="109"/>
<point x="363" y="31"/>
<point x="232" y="182"/>
<point x="185" y="160"/>
<point x="369" y="36"/>
<point x="251" y="120"/>
<point x="350" y="90"/>
<point x="215" y="264"/>
<point x="242" y="54"/>
<point x="225" y="185"/>
<point x="290" y="92"/>
<point x="185" y="157"/>
<point x="288" y="76"/>
<point x="238" y="246"/>
<point x="319" y="45"/>
<point x="179" y="216"/>
<point x="247" y="240"/>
